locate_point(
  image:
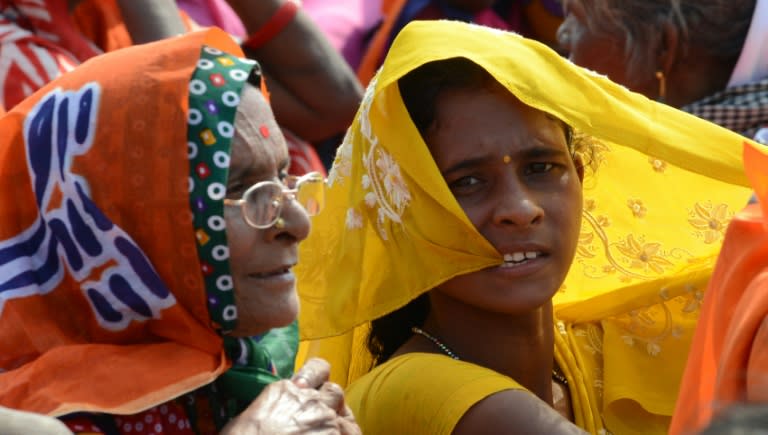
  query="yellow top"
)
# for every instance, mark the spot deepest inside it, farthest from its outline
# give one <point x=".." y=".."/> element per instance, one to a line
<point x="421" y="393"/>
<point x="655" y="209"/>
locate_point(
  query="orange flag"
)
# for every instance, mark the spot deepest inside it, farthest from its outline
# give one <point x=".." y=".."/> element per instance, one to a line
<point x="728" y="361"/>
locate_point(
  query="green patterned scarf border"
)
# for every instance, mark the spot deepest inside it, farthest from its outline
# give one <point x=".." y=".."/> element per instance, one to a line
<point x="214" y="94"/>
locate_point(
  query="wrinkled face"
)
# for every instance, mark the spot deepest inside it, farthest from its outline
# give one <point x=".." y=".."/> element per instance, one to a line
<point x="261" y="259"/>
<point x="598" y="52"/>
<point x="509" y="167"/>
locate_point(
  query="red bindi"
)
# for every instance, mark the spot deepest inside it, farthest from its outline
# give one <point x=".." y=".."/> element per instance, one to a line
<point x="264" y="130"/>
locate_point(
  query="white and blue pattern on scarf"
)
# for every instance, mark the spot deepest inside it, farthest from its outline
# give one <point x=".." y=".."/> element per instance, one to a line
<point x="76" y="236"/>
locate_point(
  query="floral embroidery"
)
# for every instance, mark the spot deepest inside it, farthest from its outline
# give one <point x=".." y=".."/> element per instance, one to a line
<point x="653" y="326"/>
<point x="710" y="221"/>
<point x="353" y="220"/>
<point x="589" y="205"/>
<point x="342" y="164"/>
<point x="365" y="110"/>
<point x="584" y="247"/>
<point x="641" y="258"/>
<point x="383" y="183"/>
<point x="694" y="298"/>
<point x="644" y="255"/>
<point x="653" y="348"/>
<point x="393" y="181"/>
<point x="637" y="207"/>
<point x="658" y="165"/>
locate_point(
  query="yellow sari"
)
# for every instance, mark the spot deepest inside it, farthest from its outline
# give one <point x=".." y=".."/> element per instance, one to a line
<point x="665" y="186"/>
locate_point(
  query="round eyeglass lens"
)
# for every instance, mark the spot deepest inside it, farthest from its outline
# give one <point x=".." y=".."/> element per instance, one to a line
<point x="262" y="204"/>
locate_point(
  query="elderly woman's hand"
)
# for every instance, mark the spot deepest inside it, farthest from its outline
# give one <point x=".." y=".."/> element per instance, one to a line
<point x="306" y="404"/>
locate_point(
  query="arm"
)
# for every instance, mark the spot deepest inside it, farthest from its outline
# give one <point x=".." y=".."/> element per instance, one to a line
<point x="151" y="20"/>
<point x="513" y="411"/>
<point x="314" y="92"/>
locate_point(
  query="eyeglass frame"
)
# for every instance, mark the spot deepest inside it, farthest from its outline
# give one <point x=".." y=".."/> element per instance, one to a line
<point x="287" y="192"/>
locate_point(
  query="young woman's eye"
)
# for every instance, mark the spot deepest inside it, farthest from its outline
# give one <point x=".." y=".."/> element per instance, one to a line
<point x="540" y="168"/>
<point x="465" y="183"/>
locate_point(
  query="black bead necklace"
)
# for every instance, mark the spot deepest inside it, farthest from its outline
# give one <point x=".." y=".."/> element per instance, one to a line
<point x="447" y="350"/>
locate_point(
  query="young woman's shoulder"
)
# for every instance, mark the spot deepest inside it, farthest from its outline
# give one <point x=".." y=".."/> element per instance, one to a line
<point x="513" y="411"/>
<point x="422" y="393"/>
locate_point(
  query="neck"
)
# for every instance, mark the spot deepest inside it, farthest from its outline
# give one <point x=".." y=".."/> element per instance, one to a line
<point x="520" y="346"/>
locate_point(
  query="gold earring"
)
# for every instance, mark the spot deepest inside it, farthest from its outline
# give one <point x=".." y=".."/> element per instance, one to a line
<point x="662" y="86"/>
<point x="280" y="223"/>
<point x="506" y="159"/>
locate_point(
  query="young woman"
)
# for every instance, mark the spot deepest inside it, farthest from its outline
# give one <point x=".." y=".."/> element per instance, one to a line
<point x="513" y="244"/>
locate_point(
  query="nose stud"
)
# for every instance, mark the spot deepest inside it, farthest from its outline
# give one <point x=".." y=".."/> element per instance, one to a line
<point x="280" y="223"/>
<point x="506" y="159"/>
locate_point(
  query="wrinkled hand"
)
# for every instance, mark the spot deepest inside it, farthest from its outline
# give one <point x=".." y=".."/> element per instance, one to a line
<point x="306" y="404"/>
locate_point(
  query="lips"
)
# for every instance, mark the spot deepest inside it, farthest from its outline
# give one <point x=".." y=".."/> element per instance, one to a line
<point x="274" y="272"/>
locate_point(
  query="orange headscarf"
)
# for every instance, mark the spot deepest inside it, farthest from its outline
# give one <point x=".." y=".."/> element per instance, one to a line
<point x="95" y="189"/>
<point x="728" y="361"/>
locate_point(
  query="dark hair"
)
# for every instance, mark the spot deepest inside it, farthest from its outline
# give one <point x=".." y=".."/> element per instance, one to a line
<point x="420" y="90"/>
<point x="391" y="331"/>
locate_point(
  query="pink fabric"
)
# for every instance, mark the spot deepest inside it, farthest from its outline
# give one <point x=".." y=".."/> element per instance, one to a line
<point x="214" y="13"/>
<point x="489" y="18"/>
<point x="346" y="23"/>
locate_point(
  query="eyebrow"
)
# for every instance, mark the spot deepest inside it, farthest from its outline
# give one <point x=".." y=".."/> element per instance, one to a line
<point x="530" y="153"/>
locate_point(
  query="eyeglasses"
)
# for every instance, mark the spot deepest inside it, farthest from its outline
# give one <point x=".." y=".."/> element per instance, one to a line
<point x="263" y="202"/>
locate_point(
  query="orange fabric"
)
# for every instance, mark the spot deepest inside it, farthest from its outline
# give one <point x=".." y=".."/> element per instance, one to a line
<point x="55" y="356"/>
<point x="375" y="52"/>
<point x="728" y="360"/>
<point x="101" y="22"/>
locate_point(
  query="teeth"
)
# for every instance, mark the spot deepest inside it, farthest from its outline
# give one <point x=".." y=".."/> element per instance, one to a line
<point x="517" y="257"/>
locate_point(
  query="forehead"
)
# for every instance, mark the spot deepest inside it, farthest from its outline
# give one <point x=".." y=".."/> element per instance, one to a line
<point x="258" y="146"/>
<point x="489" y="120"/>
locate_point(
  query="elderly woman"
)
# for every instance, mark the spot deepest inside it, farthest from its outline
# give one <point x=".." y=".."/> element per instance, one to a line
<point x="501" y="272"/>
<point x="148" y="233"/>
<point x="707" y="57"/>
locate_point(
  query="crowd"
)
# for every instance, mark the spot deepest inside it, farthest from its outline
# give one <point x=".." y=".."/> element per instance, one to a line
<point x="383" y="216"/>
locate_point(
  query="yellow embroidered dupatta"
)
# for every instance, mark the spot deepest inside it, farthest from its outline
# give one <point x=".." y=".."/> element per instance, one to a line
<point x="655" y="209"/>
